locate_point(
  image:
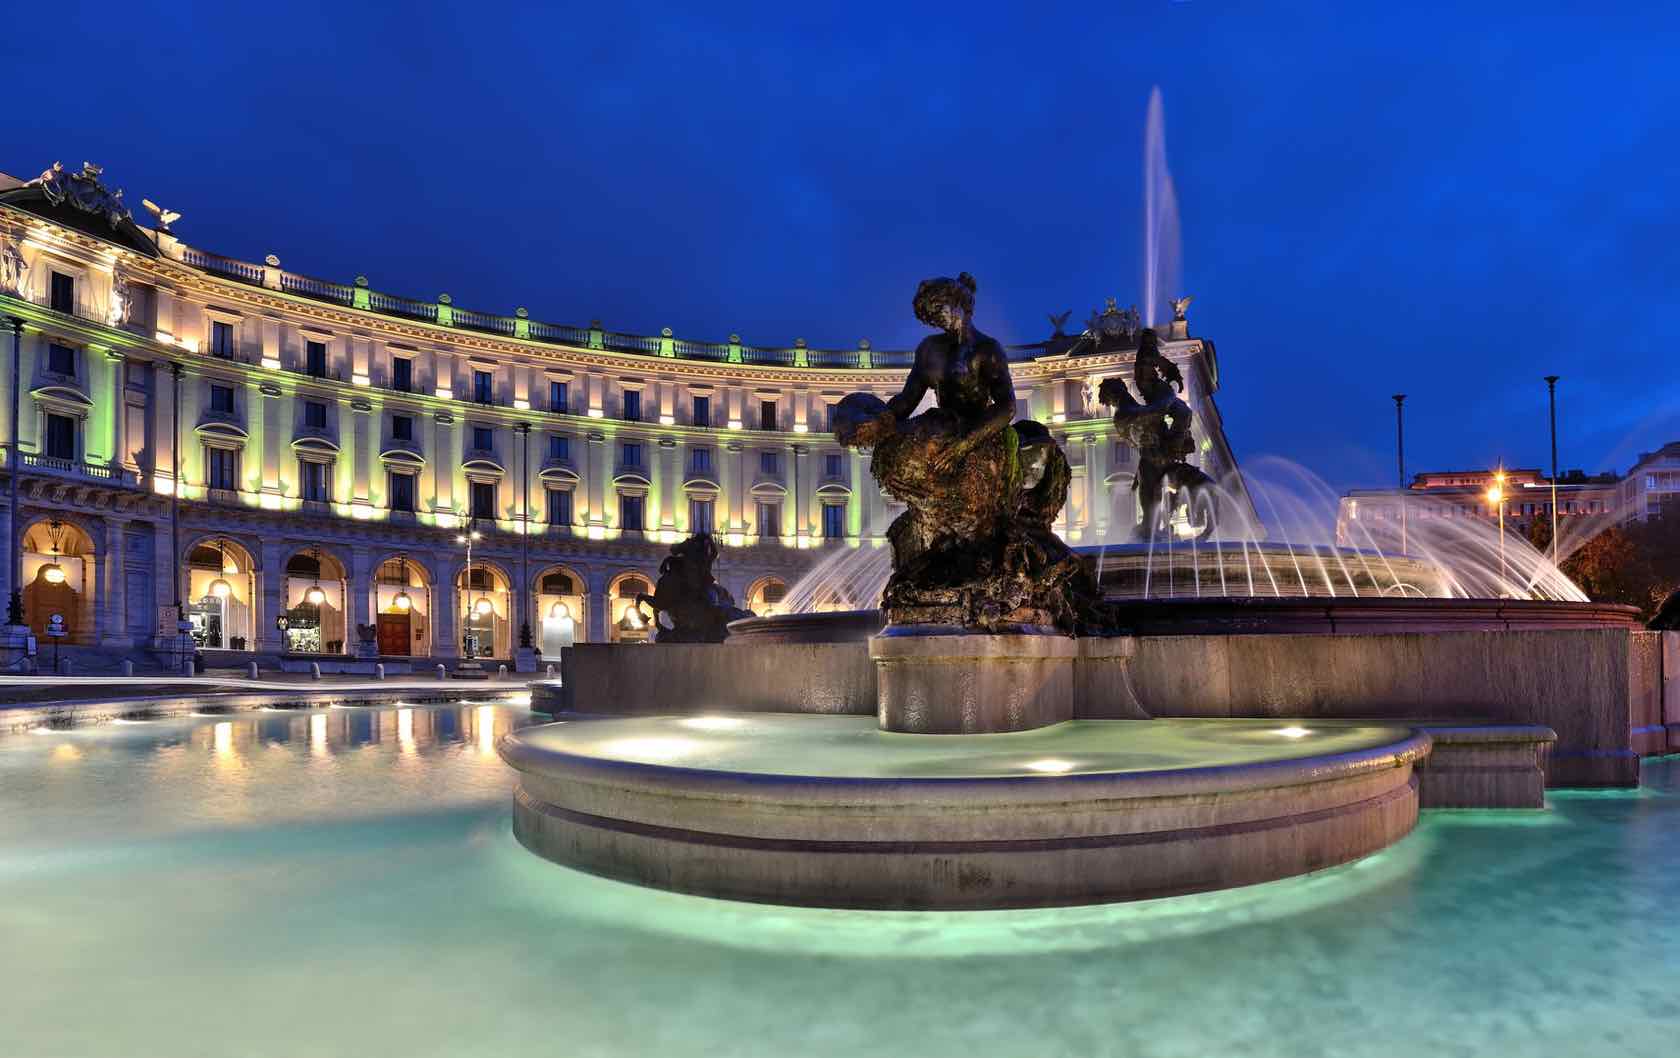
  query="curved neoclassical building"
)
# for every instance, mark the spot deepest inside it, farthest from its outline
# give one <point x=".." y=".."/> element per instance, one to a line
<point x="294" y="458"/>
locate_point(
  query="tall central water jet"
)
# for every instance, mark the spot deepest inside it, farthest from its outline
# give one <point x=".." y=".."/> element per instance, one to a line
<point x="1161" y="246"/>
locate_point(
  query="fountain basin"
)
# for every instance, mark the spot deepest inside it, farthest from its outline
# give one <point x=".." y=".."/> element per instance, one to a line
<point x="832" y="811"/>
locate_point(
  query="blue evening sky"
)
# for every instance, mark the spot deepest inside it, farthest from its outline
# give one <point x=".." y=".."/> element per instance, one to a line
<point x="1445" y="199"/>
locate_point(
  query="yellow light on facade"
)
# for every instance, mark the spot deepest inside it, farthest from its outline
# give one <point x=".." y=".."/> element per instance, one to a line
<point x="521" y="404"/>
<point x="483" y="607"/>
<point x="271" y="363"/>
<point x="53" y="574"/>
<point x="360" y="380"/>
<point x="559" y="611"/>
<point x="667" y="420"/>
<point x="220" y="588"/>
<point x="315" y="596"/>
<point x="402" y="602"/>
<point x="597" y="413"/>
<point x="445" y="392"/>
<point x="800" y="427"/>
<point x="1058" y="417"/>
<point x="734" y="424"/>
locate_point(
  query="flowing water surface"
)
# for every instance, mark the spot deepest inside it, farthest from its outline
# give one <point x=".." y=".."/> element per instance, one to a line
<point x="345" y="882"/>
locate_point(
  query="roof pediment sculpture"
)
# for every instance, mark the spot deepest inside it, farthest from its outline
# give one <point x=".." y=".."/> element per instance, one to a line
<point x="83" y="191"/>
<point x="1179" y="305"/>
<point x="1113" y="327"/>
<point x="14" y="270"/>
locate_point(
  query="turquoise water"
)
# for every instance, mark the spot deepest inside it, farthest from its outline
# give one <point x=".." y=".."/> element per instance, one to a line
<point x="346" y="883"/>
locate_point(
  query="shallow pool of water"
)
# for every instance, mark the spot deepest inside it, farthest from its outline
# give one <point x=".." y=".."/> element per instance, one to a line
<point x="345" y="882"/>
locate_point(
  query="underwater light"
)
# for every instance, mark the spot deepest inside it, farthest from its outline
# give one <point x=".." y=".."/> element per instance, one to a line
<point x="1050" y="766"/>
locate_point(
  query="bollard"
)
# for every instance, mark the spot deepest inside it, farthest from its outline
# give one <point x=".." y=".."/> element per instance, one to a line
<point x="128" y="667"/>
<point x="187" y="665"/>
<point x="551" y="672"/>
<point x="379" y="670"/>
<point x="251" y="671"/>
<point x="64" y="666"/>
<point x="314" y="670"/>
<point x="501" y="672"/>
<point x="443" y="673"/>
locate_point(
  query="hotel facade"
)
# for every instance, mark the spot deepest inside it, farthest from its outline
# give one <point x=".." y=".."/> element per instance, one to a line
<point x="294" y="459"/>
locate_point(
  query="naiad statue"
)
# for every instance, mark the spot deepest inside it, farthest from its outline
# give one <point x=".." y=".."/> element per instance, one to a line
<point x="974" y="548"/>
<point x="688" y="604"/>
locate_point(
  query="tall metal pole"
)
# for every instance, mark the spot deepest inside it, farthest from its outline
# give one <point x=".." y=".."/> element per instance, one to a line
<point x="14" y="463"/>
<point x="1400" y="460"/>
<point x="175" y="488"/>
<point x="1551" y="399"/>
<point x="524" y="429"/>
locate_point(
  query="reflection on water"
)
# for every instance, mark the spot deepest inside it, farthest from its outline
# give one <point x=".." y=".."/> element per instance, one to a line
<point x="166" y="884"/>
<point x="258" y="768"/>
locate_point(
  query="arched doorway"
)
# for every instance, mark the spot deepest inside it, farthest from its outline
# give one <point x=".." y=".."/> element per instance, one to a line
<point x="58" y="573"/>
<point x="561" y="618"/>
<point x="221" y="589"/>
<point x="625" y="623"/>
<point x="765" y="597"/>
<point x="317" y="599"/>
<point x="402" y="608"/>
<point x="485" y="605"/>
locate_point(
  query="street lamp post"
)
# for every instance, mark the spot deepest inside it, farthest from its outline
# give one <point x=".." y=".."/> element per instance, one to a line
<point x="524" y="430"/>
<point x="1400" y="460"/>
<point x="1551" y="400"/>
<point x="469" y="667"/>
<point x="1497" y="495"/>
<point x="14" y="463"/>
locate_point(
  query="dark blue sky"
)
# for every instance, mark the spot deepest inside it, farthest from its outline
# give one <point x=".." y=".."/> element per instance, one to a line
<point x="1431" y="198"/>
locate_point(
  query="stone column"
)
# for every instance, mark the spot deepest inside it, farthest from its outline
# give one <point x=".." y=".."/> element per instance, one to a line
<point x="361" y="600"/>
<point x="446" y="640"/>
<point x="598" y="615"/>
<point x="114" y="592"/>
<point x="271" y="587"/>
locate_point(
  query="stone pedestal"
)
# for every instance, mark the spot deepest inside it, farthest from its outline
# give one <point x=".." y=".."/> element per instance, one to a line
<point x="958" y="683"/>
<point x="14" y="650"/>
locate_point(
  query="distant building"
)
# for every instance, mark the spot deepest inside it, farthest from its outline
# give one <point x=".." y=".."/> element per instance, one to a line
<point x="1373" y="516"/>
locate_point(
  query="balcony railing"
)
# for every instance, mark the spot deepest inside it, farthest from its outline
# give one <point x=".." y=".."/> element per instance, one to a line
<point x="444" y="312"/>
<point x="77" y="469"/>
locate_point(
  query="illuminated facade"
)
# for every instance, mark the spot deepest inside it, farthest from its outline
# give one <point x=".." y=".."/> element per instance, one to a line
<point x="332" y="442"/>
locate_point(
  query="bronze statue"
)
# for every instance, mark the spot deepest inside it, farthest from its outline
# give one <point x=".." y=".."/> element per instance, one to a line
<point x="975" y="547"/>
<point x="695" y="608"/>
<point x="1158" y="427"/>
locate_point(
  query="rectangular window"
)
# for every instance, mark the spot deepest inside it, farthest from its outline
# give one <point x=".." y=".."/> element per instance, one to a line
<point x="483" y="438"/>
<point x="828" y="418"/>
<point x="769" y="519"/>
<point x="61" y="359"/>
<point x="559" y="448"/>
<point x="702" y="461"/>
<point x="558" y="397"/>
<point x="402" y="492"/>
<point x="221" y="399"/>
<point x="483" y="499"/>
<point x="632" y="406"/>
<point x="702" y="411"/>
<point x="699" y="516"/>
<point x="766" y="415"/>
<point x="559" y="507"/>
<point x="315" y="414"/>
<point x="632" y="455"/>
<point x="61" y="437"/>
<point x="483" y="387"/>
<point x="834" y="521"/>
<point x="630" y="512"/>
<point x="63" y="293"/>
<point x="769" y="463"/>
<point x="221" y="338"/>
<point x="314" y="481"/>
<point x="222" y="472"/>
<point x="833" y="466"/>
<point x="402" y="374"/>
<point x="402" y="427"/>
<point x="315" y="359"/>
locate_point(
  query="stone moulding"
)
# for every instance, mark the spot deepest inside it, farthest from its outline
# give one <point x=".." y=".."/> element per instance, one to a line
<point x="954" y="843"/>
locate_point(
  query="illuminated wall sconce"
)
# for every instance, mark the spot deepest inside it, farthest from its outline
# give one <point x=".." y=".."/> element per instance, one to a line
<point x="446" y="393"/>
<point x="800" y="427"/>
<point x="521" y="404"/>
<point x="597" y="413"/>
<point x="734" y="424"/>
<point x="360" y="380"/>
<point x="667" y="420"/>
<point x="272" y="363"/>
<point x="1058" y="417"/>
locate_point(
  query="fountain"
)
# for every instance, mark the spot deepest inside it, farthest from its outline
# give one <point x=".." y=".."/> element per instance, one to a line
<point x="1231" y="695"/>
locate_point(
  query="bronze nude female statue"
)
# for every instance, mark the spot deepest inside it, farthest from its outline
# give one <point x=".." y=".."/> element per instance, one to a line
<point x="975" y="548"/>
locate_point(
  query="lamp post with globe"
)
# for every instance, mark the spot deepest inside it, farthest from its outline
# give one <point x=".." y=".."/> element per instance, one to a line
<point x="469" y="668"/>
